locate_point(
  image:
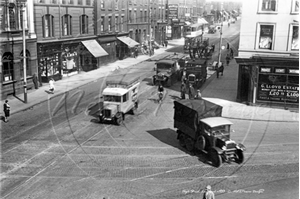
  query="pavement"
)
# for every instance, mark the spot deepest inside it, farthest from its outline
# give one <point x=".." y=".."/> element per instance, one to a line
<point x="220" y="90"/>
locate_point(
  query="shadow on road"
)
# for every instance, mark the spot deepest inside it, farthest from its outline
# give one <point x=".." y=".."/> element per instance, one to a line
<point x="169" y="136"/>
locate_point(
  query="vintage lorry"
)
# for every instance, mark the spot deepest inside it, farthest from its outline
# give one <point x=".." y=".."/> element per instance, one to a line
<point x="200" y="127"/>
<point x="167" y="70"/>
<point x="194" y="72"/>
<point x="119" y="97"/>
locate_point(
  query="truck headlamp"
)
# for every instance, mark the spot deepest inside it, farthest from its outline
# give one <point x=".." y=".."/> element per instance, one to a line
<point x="224" y="147"/>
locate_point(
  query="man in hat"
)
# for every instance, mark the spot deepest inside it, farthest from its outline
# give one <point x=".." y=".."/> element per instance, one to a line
<point x="208" y="194"/>
<point x="6" y="110"/>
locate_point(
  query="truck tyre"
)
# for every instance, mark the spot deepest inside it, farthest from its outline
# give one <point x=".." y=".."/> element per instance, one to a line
<point x="200" y="143"/>
<point x="189" y="143"/>
<point x="239" y="156"/>
<point x="214" y="157"/>
<point x="118" y="118"/>
<point x="181" y="140"/>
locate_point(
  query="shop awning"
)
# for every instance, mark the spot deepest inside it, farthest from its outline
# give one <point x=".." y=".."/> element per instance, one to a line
<point x="128" y="41"/>
<point x="94" y="47"/>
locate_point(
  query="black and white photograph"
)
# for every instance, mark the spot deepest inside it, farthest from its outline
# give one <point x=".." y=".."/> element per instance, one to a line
<point x="149" y="99"/>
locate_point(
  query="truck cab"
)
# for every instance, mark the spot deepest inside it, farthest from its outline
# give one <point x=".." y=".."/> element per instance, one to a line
<point x="195" y="72"/>
<point x="167" y="72"/>
<point x="200" y="127"/>
<point x="119" y="98"/>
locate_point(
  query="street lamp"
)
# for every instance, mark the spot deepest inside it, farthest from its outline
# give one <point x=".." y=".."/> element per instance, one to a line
<point x="220" y="44"/>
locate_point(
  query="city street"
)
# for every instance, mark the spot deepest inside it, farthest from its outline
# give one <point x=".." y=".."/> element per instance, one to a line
<point x="60" y="150"/>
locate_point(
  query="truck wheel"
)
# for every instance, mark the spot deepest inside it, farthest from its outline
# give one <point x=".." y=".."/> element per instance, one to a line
<point x="215" y="158"/>
<point x="189" y="143"/>
<point x="181" y="140"/>
<point x="239" y="156"/>
<point x="118" y="118"/>
<point x="200" y="144"/>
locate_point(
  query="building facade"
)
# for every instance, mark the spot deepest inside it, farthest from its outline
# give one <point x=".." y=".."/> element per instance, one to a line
<point x="269" y="53"/>
<point x="16" y="15"/>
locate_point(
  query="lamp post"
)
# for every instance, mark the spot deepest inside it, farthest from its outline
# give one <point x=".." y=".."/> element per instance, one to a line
<point x="24" y="50"/>
<point x="149" y="12"/>
<point x="220" y="44"/>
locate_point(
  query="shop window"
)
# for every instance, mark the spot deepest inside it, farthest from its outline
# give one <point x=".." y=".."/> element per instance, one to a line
<point x="28" y="65"/>
<point x="102" y="24"/>
<point x="295" y="7"/>
<point x="266" y="38"/>
<point x="69" y="57"/>
<point x="7" y="67"/>
<point x="117" y="23"/>
<point x="268" y="6"/>
<point x="48" y="26"/>
<point x="66" y="25"/>
<point x="84" y="23"/>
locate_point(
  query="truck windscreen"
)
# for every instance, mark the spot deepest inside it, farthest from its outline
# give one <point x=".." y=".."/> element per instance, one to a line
<point x="164" y="66"/>
<point x="112" y="98"/>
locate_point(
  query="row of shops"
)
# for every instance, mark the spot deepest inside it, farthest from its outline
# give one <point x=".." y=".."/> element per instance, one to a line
<point x="59" y="58"/>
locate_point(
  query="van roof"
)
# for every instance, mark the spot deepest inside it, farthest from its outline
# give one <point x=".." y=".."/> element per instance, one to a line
<point x="122" y="79"/>
<point x="165" y="62"/>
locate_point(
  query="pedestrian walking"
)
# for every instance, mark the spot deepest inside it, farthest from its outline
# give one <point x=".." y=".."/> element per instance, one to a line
<point x="198" y="95"/>
<point x="136" y="52"/>
<point x="227" y="46"/>
<point x="231" y="53"/>
<point x="227" y="59"/>
<point x="191" y="92"/>
<point x="6" y="110"/>
<point x="208" y="194"/>
<point x="51" y="86"/>
<point x="213" y="47"/>
<point x="166" y="43"/>
<point x="182" y="90"/>
<point x="228" y="24"/>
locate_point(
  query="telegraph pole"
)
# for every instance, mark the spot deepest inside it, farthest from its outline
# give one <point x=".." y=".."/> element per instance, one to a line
<point x="149" y="18"/>
<point x="24" y="54"/>
<point x="220" y="44"/>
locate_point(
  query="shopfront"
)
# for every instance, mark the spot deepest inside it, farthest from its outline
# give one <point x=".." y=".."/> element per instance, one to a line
<point x="269" y="80"/>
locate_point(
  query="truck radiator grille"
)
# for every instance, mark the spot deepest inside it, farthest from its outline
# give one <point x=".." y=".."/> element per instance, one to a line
<point x="106" y="113"/>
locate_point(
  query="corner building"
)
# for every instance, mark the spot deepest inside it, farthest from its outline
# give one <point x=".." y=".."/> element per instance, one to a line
<point x="268" y="55"/>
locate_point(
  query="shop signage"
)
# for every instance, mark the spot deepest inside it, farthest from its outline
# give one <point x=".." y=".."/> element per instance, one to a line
<point x="173" y="11"/>
<point x="295" y="71"/>
<point x="277" y="88"/>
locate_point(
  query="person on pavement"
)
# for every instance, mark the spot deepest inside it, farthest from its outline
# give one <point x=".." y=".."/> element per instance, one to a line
<point x="191" y="92"/>
<point x="227" y="59"/>
<point x="208" y="194"/>
<point x="182" y="90"/>
<point x="6" y="110"/>
<point x="160" y="92"/>
<point x="198" y="95"/>
<point x="51" y="86"/>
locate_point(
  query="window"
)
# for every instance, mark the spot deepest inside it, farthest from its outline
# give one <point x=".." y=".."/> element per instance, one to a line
<point x="130" y="16"/>
<point x="109" y="24"/>
<point x="102" y="4"/>
<point x="71" y="2"/>
<point x="28" y="68"/>
<point x="266" y="37"/>
<point x="88" y="2"/>
<point x="63" y="2"/>
<point x="54" y="1"/>
<point x="48" y="26"/>
<point x="268" y="5"/>
<point x="79" y="2"/>
<point x="134" y="16"/>
<point x="66" y="25"/>
<point x="116" y="23"/>
<point x="12" y="19"/>
<point x="84" y="23"/>
<point x="295" y="6"/>
<point x="8" y="70"/>
<point x="122" y="23"/>
<point x="116" y="4"/>
<point x="102" y="24"/>
<point x="125" y="97"/>
<point x="294" y="37"/>
<point x="141" y="16"/>
<point x="145" y="16"/>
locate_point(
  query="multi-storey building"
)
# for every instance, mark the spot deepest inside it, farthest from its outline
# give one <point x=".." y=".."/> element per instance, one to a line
<point x="269" y="52"/>
<point x="66" y="40"/>
<point x="16" y="15"/>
